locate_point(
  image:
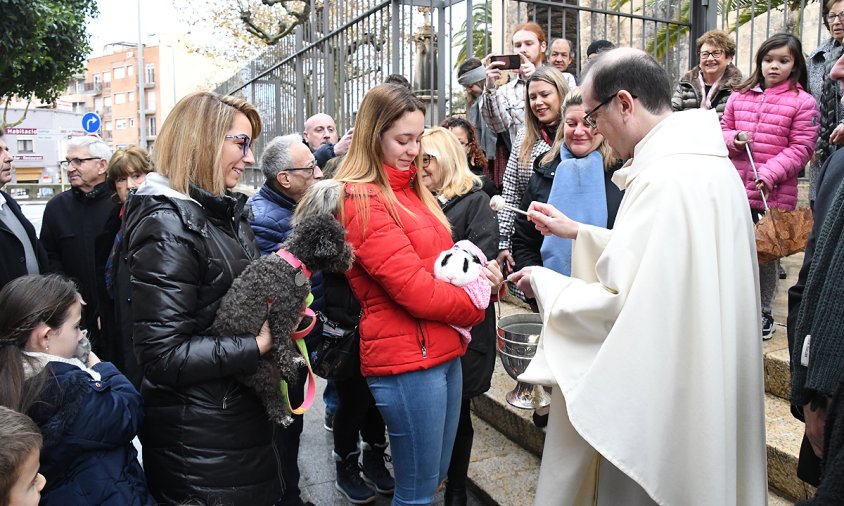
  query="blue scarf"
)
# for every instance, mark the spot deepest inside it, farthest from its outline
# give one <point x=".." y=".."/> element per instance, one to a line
<point x="578" y="191"/>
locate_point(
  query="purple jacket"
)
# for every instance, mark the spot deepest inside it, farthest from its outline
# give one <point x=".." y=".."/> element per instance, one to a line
<point x="783" y="126"/>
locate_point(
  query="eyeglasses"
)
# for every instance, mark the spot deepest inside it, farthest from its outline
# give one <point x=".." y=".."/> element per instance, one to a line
<point x="426" y="160"/>
<point x="704" y="55"/>
<point x="588" y="117"/>
<point x="77" y="162"/>
<point x="308" y="170"/>
<point x="831" y="17"/>
<point x="245" y="141"/>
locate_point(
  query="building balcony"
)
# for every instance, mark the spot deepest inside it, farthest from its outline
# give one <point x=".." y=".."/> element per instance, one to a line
<point x="96" y="88"/>
<point x="149" y="84"/>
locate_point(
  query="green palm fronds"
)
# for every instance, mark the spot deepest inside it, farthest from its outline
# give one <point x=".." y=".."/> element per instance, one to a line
<point x="481" y="24"/>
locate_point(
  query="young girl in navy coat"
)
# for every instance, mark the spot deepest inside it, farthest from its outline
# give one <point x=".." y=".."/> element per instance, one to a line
<point x="88" y="412"/>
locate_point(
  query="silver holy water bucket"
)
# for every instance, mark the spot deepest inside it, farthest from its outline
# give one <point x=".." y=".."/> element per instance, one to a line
<point x="518" y="336"/>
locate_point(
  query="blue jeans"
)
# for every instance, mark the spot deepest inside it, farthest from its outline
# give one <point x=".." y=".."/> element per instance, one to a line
<point x="330" y="398"/>
<point x="421" y="410"/>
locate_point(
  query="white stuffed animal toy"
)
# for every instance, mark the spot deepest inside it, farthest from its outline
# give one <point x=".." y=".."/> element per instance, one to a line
<point x="462" y="266"/>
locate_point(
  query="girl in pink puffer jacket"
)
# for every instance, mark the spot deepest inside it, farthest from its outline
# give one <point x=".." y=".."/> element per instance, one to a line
<point x="781" y="122"/>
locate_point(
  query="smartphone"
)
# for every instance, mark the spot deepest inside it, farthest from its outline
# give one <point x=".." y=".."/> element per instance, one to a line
<point x="511" y="61"/>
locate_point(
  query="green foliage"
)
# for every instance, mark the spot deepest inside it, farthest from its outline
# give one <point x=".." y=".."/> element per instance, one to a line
<point x="481" y="24"/>
<point x="43" y="43"/>
<point x="667" y="36"/>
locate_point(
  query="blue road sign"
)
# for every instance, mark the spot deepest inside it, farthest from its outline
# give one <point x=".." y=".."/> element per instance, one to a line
<point x="91" y="122"/>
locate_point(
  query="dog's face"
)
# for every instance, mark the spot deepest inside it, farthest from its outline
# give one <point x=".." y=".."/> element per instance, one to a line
<point x="319" y="241"/>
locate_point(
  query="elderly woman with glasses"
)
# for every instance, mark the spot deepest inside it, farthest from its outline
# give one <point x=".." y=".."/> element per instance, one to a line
<point x="127" y="170"/>
<point x="206" y="437"/>
<point x="444" y="171"/>
<point x="710" y="83"/>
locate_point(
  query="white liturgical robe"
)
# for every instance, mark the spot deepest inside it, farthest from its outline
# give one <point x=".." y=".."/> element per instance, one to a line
<point x="653" y="347"/>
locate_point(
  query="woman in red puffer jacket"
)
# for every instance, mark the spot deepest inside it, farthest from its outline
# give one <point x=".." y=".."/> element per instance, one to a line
<point x="409" y="351"/>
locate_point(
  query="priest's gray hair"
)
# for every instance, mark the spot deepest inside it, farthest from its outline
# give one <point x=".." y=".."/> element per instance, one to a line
<point x="277" y="157"/>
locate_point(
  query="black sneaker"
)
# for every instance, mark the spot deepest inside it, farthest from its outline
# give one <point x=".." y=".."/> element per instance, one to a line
<point x="328" y="424"/>
<point x="767" y="326"/>
<point x="374" y="470"/>
<point x="781" y="272"/>
<point x="349" y="482"/>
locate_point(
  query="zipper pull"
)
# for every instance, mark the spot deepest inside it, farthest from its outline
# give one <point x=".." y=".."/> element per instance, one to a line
<point x="424" y="351"/>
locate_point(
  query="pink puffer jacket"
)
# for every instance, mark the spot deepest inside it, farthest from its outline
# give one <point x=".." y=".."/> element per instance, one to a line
<point x="782" y="124"/>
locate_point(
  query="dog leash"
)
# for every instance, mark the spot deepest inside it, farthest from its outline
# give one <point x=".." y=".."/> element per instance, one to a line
<point x="298" y="338"/>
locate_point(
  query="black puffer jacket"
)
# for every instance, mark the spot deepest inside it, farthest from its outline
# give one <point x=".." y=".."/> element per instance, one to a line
<point x="688" y="93"/>
<point x="526" y="240"/>
<point x="471" y="218"/>
<point x="206" y="436"/>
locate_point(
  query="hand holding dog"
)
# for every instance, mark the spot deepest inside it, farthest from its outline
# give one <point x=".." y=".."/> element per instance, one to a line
<point x="264" y="338"/>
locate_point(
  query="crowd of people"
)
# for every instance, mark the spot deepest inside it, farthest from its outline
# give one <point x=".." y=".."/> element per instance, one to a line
<point x="636" y="198"/>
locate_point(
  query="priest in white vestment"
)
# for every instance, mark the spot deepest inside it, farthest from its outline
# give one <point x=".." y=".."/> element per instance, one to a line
<point x="652" y="346"/>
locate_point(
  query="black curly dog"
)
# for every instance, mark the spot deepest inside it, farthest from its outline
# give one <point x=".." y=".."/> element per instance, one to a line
<point x="319" y="242"/>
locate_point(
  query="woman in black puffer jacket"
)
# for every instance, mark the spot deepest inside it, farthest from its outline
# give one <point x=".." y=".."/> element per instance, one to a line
<point x="206" y="437"/>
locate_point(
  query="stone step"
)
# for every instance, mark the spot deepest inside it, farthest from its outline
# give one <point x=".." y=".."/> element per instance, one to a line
<point x="777" y="372"/>
<point x="504" y="473"/>
<point x="783" y="431"/>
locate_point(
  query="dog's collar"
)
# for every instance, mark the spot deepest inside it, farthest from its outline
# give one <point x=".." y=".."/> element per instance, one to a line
<point x="293" y="261"/>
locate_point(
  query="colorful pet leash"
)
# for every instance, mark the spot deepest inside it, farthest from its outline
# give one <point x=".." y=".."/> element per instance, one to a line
<point x="298" y="338"/>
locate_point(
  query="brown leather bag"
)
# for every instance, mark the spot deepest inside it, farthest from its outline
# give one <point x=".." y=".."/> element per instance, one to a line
<point x="780" y="233"/>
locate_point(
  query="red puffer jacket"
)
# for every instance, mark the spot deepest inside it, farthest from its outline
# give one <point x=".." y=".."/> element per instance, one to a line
<point x="406" y="311"/>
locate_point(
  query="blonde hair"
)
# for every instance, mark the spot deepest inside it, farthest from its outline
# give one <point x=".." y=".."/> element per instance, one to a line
<point x="190" y="143"/>
<point x="381" y="107"/>
<point x="553" y="77"/>
<point x="574" y="97"/>
<point x="443" y="145"/>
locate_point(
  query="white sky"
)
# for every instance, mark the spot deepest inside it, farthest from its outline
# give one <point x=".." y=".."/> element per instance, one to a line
<point x="118" y="21"/>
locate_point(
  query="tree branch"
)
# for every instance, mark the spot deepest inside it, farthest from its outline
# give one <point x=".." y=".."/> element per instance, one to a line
<point x="285" y="26"/>
<point x="20" y="120"/>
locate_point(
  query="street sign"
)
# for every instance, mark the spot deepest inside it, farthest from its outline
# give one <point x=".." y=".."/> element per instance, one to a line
<point x="91" y="122"/>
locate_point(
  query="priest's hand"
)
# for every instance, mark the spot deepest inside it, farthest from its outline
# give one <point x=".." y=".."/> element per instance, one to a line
<point x="815" y="421"/>
<point x="522" y="280"/>
<point x="548" y="220"/>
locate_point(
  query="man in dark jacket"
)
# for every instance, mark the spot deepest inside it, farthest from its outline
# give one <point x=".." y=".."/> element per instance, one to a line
<point x="817" y="369"/>
<point x="20" y="251"/>
<point x="290" y="168"/>
<point x="73" y="230"/>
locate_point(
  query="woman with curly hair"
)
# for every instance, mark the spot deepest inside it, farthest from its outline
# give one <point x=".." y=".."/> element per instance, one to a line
<point x="478" y="164"/>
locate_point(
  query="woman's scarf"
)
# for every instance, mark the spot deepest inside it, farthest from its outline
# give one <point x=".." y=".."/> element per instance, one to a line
<point x="706" y="98"/>
<point x="580" y="193"/>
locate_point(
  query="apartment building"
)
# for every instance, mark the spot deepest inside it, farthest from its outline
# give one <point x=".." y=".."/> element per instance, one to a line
<point x="112" y="89"/>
